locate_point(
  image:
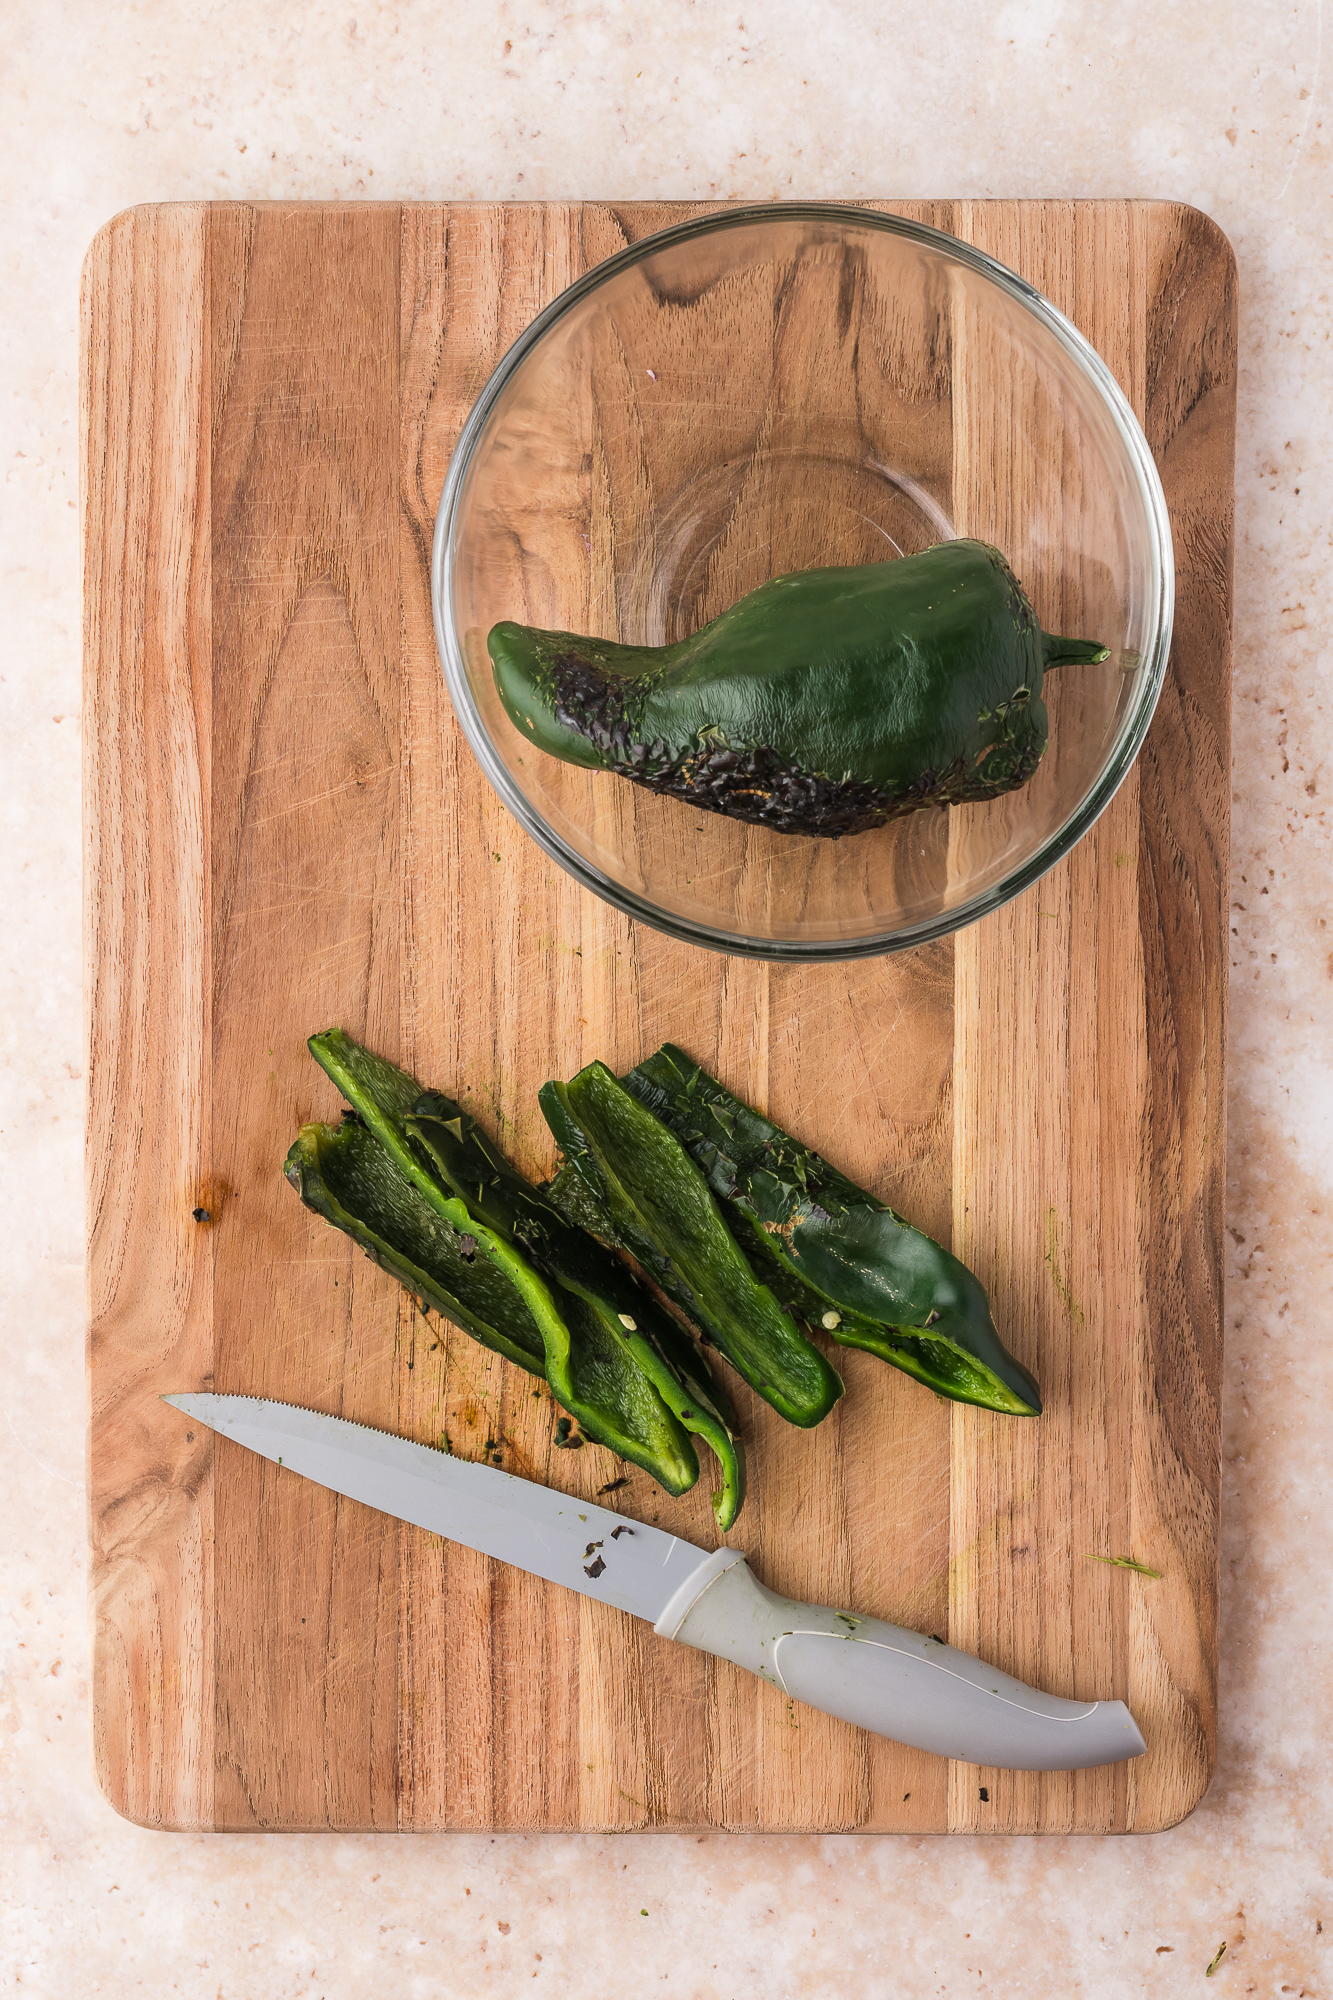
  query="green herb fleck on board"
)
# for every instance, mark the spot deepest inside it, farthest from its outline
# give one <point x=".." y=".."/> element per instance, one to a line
<point x="1221" y="1954"/>
<point x="1128" y="1562"/>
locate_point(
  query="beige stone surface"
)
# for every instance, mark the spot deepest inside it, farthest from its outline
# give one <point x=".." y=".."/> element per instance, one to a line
<point x="1223" y="105"/>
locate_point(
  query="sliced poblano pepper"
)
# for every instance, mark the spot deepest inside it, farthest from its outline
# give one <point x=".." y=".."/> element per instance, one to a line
<point x="345" y="1175"/>
<point x="592" y="1375"/>
<point x="839" y="1257"/>
<point x="497" y="1194"/>
<point x="627" y="1177"/>
<point x="382" y="1096"/>
<point x="825" y="702"/>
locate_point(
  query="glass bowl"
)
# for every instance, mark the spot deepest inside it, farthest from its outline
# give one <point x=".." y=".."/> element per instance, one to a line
<point x="763" y="390"/>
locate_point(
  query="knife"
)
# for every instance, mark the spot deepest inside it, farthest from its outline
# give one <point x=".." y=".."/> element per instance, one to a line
<point x="883" y="1678"/>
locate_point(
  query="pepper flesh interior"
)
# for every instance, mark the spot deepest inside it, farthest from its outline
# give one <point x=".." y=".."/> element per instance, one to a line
<point x="344" y="1174"/>
<point x="580" y="1266"/>
<point x="592" y="1375"/>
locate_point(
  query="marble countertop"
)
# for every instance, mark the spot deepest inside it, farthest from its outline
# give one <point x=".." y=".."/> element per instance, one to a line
<point x="1222" y="105"/>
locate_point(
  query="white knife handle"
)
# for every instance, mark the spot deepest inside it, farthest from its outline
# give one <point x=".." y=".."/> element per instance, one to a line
<point x="892" y="1681"/>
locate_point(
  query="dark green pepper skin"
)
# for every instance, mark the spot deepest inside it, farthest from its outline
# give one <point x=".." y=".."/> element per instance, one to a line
<point x="839" y="1257"/>
<point x="493" y="1291"/>
<point x="627" y="1177"/>
<point x="497" y="1194"/>
<point x="827" y="702"/>
<point x="345" y="1175"/>
<point x="592" y="1373"/>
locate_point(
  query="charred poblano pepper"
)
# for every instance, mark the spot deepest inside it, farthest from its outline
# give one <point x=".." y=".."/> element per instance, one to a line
<point x="413" y="1224"/>
<point x="837" y="1256"/>
<point x="576" y="1264"/>
<point x="826" y="702"/>
<point x="592" y="1374"/>
<point x="344" y="1174"/>
<point x="382" y="1096"/>
<point x="627" y="1178"/>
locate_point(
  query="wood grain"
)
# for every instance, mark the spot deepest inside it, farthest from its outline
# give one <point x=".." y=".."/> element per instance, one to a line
<point x="147" y="731"/>
<point x="284" y="830"/>
<point x="306" y="928"/>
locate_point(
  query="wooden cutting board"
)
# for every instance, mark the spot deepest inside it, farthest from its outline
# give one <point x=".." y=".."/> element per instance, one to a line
<point x="284" y="830"/>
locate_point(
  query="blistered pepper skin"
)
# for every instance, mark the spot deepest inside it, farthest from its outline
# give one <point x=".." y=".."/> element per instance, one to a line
<point x="627" y="1178"/>
<point x="826" y="702"/>
<point x="345" y="1176"/>
<point x="837" y="1256"/>
<point x="372" y="1179"/>
<point x="580" y="1267"/>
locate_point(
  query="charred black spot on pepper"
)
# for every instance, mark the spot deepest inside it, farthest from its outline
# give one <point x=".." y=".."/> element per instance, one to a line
<point x="828" y="702"/>
<point x="594" y="1569"/>
<point x="566" y="1438"/>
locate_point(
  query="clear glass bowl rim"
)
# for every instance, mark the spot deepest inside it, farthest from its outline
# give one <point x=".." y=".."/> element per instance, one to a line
<point x="1160" y="594"/>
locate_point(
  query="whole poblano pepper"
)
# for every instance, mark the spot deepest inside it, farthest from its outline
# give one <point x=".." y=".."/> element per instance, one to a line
<point x="840" y="1258"/>
<point x="627" y="1178"/>
<point x="826" y="702"/>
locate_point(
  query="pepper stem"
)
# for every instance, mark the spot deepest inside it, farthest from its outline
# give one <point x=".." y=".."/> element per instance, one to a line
<point x="1060" y="652"/>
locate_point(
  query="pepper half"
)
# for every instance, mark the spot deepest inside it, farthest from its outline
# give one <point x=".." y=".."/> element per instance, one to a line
<point x="497" y="1194"/>
<point x="840" y="1258"/>
<point x="627" y="1178"/>
<point x="593" y="1375"/>
<point x="826" y="702"/>
<point x="345" y="1176"/>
